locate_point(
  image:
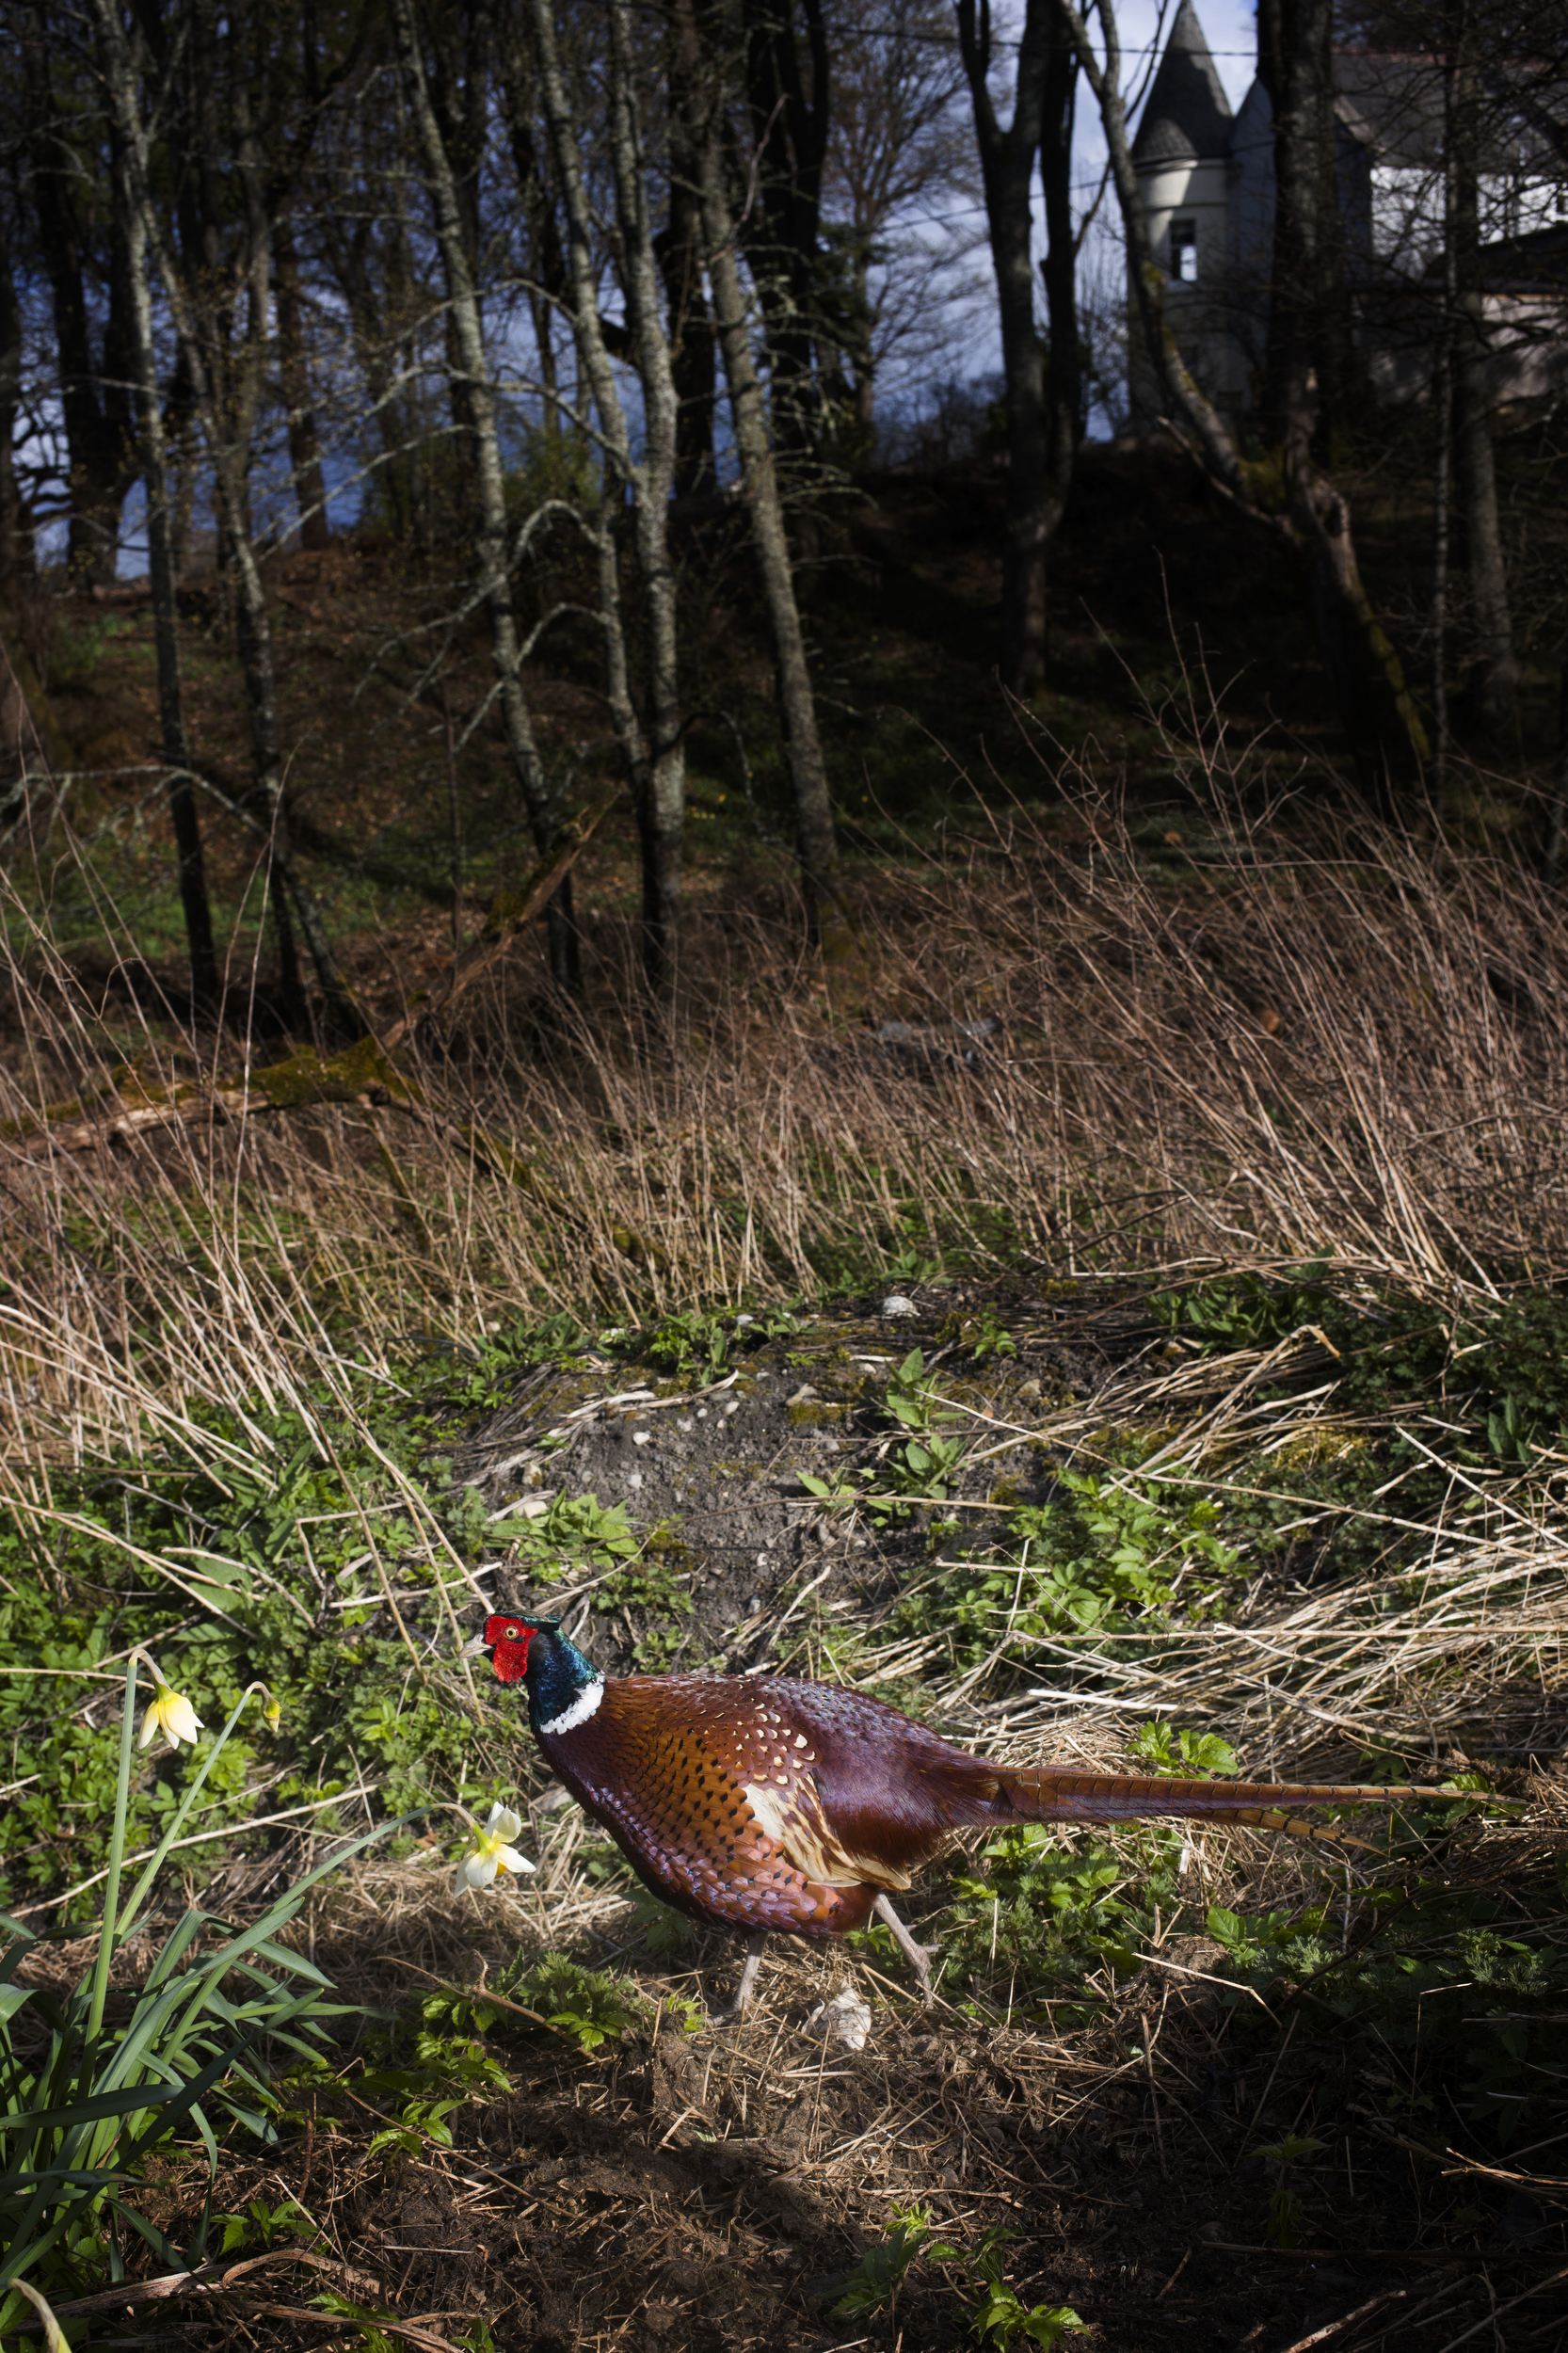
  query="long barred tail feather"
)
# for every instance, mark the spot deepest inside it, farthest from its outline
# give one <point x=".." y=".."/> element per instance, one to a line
<point x="1045" y="1796"/>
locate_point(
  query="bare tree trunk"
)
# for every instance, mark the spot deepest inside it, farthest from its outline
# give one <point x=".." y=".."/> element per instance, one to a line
<point x="1309" y="330"/>
<point x="309" y="480"/>
<point x="650" y="482"/>
<point x="1386" y="738"/>
<point x="1058" y="270"/>
<point x="658" y="769"/>
<point x="1492" y="691"/>
<point x="1442" y="494"/>
<point x="96" y="408"/>
<point x="816" y="838"/>
<point x="227" y="441"/>
<point x="16" y="538"/>
<point x="1007" y="164"/>
<point x="694" y="356"/>
<point x="165" y="630"/>
<point x="492" y="552"/>
<point x="790" y="116"/>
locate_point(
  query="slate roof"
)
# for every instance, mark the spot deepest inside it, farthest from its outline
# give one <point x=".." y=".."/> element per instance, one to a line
<point x="1393" y="105"/>
<point x="1187" y="116"/>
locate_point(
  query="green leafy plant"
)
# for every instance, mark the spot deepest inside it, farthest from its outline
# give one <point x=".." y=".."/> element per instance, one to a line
<point x="1505" y="1433"/>
<point x="998" y="2314"/>
<point x="912" y="1397"/>
<point x="1040" y="1908"/>
<point x="1274" y="1944"/>
<point x="1001" y="2316"/>
<point x="261" y="2225"/>
<point x="695" y="1342"/>
<point x="586" y="2004"/>
<point x="1283" y="2225"/>
<point x="993" y="1339"/>
<point x="1099" y="1549"/>
<point x="1245" y="1310"/>
<point x="653" y="1585"/>
<point x="1181" y="1751"/>
<point x="577" y="1533"/>
<point x="878" y="2275"/>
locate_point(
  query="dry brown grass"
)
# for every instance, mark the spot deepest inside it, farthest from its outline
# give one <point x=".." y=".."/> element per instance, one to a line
<point x="1277" y="1042"/>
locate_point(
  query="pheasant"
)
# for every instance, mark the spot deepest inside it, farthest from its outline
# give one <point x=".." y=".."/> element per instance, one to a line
<point x="766" y="1804"/>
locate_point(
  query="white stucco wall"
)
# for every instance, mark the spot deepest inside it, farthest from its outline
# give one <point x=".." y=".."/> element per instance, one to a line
<point x="1198" y="313"/>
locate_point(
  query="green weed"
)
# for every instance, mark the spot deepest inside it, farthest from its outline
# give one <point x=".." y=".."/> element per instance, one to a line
<point x="578" y="1536"/>
<point x="1282" y="2223"/>
<point x="261" y="2225"/>
<point x="1170" y="1751"/>
<point x="1101" y="1548"/>
<point x="998" y="2315"/>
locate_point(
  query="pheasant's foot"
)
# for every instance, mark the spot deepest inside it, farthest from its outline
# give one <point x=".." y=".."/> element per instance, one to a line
<point x="919" y="1957"/>
<point x="738" y="2008"/>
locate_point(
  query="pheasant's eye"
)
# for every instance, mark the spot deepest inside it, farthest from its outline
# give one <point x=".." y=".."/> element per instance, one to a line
<point x="513" y="1633"/>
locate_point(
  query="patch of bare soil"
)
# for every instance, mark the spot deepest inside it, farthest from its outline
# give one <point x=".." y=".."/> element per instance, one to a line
<point x="715" y="1460"/>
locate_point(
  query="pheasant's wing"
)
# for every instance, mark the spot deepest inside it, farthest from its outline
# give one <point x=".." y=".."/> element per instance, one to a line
<point x="710" y="1796"/>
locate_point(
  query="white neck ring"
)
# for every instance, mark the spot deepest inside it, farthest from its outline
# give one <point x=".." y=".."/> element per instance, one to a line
<point x="582" y="1706"/>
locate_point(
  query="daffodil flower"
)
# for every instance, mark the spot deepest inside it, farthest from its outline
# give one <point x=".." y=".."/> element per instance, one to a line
<point x="169" y="1712"/>
<point x="492" y="1850"/>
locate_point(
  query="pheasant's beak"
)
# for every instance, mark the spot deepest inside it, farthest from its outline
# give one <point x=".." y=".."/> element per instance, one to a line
<point x="475" y="1649"/>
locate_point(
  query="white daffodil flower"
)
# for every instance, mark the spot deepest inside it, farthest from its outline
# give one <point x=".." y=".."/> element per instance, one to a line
<point x="170" y="1713"/>
<point x="493" y="1850"/>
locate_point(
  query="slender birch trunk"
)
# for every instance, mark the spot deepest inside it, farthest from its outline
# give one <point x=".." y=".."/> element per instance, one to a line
<point x="1007" y="168"/>
<point x="657" y="766"/>
<point x="816" y="838"/>
<point x="494" y="577"/>
<point x="160" y="567"/>
<point x="253" y="632"/>
<point x="309" y="477"/>
<point x="1492" y="691"/>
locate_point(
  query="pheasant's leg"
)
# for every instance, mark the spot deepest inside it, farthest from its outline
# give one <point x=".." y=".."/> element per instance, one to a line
<point x="748" y="1975"/>
<point x="919" y="1956"/>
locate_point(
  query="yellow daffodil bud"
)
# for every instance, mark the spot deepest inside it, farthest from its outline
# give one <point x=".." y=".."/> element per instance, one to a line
<point x="492" y="1850"/>
<point x="274" y="1715"/>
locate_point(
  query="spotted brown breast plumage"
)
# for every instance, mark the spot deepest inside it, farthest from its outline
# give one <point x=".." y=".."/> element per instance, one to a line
<point x="764" y="1803"/>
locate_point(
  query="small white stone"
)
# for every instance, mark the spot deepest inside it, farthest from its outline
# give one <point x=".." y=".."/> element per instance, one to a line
<point x="896" y="1305"/>
<point x="845" y="2019"/>
<point x="642" y="1437"/>
<point x="635" y="1479"/>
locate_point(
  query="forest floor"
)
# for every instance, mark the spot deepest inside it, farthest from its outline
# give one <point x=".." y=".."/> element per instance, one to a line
<point x="1219" y="2089"/>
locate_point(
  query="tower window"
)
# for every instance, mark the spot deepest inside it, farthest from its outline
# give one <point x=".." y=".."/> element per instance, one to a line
<point x="1184" y="251"/>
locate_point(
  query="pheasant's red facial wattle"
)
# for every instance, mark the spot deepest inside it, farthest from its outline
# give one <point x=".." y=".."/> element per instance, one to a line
<point x="509" y="1638"/>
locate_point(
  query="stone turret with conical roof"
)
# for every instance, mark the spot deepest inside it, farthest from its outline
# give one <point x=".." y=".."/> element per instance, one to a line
<point x="1181" y="152"/>
<point x="1187" y="116"/>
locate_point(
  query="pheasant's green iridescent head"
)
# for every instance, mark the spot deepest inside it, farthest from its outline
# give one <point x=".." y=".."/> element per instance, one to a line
<point x="564" y="1687"/>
